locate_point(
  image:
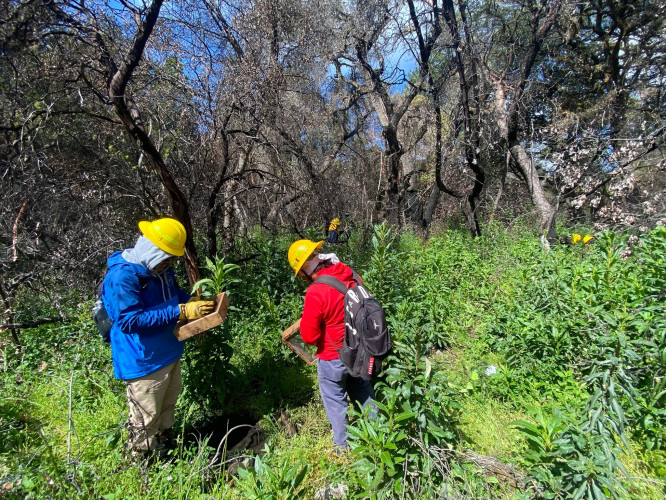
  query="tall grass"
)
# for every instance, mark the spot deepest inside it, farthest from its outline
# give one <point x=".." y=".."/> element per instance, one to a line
<point x="550" y="362"/>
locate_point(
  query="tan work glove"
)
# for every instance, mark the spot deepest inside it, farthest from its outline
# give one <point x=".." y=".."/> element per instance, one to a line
<point x="195" y="298"/>
<point x="196" y="309"/>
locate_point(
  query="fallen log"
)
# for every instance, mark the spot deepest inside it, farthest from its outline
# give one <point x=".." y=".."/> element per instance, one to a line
<point x="494" y="467"/>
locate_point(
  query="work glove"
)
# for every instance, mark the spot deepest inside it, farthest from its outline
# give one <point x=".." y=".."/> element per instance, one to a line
<point x="196" y="309"/>
<point x="195" y="298"/>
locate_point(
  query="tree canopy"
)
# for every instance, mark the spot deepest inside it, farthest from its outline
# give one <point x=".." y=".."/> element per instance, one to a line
<point x="235" y="114"/>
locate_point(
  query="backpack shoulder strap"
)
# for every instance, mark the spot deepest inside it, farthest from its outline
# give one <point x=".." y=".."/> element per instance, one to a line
<point x="357" y="278"/>
<point x="332" y="282"/>
<point x="338" y="285"/>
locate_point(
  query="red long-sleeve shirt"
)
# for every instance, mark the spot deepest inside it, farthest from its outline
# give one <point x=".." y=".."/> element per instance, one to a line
<point x="323" y="321"/>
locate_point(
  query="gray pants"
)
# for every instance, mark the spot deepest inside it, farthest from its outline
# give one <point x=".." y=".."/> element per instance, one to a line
<point x="335" y="385"/>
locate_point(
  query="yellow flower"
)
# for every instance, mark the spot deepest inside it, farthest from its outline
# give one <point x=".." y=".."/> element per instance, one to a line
<point x="587" y="238"/>
<point x="576" y="238"/>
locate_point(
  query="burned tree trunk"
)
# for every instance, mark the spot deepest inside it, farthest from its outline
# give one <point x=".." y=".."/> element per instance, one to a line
<point x="118" y="77"/>
<point x="508" y="116"/>
<point x="470" y="126"/>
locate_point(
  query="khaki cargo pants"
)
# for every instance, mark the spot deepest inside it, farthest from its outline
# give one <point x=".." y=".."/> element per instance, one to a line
<point x="152" y="401"/>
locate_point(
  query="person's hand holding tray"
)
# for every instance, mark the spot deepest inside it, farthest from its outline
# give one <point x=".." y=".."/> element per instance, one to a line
<point x="197" y="326"/>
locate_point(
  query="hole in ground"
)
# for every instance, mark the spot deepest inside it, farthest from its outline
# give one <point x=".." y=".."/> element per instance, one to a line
<point x="237" y="426"/>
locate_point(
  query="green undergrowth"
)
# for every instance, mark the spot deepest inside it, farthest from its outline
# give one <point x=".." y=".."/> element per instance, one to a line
<point x="516" y="373"/>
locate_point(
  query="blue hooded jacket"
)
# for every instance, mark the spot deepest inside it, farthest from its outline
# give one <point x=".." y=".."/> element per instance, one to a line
<point x="144" y="309"/>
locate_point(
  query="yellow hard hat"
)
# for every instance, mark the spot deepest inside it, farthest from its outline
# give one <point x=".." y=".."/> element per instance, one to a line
<point x="168" y="234"/>
<point x="335" y="222"/>
<point x="300" y="251"/>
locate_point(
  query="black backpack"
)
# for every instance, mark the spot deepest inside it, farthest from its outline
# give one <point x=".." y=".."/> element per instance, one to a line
<point x="367" y="339"/>
<point x="101" y="317"/>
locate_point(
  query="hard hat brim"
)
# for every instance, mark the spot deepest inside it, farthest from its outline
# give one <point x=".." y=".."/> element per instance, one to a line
<point x="316" y="247"/>
<point x="147" y="230"/>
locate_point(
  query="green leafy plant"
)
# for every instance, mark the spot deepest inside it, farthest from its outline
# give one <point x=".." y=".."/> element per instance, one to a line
<point x="416" y="408"/>
<point x="262" y="481"/>
<point x="383" y="272"/>
<point x="541" y="435"/>
<point x="221" y="277"/>
<point x="567" y="461"/>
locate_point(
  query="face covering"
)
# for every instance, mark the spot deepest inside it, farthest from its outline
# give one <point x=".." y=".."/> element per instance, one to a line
<point x="145" y="253"/>
<point x="311" y="265"/>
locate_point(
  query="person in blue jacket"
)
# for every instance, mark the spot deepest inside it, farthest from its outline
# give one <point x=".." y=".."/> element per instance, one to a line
<point x="143" y="301"/>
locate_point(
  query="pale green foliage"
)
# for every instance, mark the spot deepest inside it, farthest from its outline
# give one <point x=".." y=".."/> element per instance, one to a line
<point x="222" y="275"/>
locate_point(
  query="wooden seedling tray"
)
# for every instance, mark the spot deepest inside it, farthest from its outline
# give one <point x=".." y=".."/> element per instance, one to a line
<point x="296" y="344"/>
<point x="197" y="326"/>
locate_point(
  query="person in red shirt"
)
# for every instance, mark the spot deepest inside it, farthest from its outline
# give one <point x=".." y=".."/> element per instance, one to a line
<point x="323" y="325"/>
